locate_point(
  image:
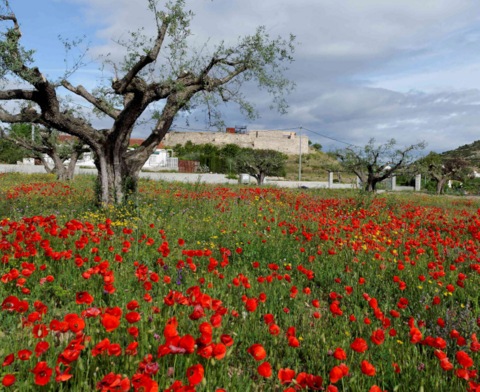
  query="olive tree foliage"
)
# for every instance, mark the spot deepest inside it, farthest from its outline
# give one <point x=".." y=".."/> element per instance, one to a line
<point x="47" y="142"/>
<point x="159" y="77"/>
<point x="260" y="163"/>
<point x="375" y="163"/>
<point x="442" y="170"/>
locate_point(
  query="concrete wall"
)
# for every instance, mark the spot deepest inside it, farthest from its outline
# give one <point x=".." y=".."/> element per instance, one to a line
<point x="286" y="142"/>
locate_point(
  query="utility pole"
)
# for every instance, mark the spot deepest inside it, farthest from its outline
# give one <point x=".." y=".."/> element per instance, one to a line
<point x="32" y="132"/>
<point x="300" y="158"/>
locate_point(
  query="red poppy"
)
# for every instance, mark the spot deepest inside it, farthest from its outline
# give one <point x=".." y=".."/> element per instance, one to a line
<point x="8" y="359"/>
<point x="83" y="297"/>
<point x="42" y="373"/>
<point x="132" y="317"/>
<point x="359" y="345"/>
<point x="378" y="336"/>
<point x="219" y="351"/>
<point x="368" y="369"/>
<point x="110" y="322"/>
<point x="24" y="355"/>
<point x="286" y="375"/>
<point x="113" y="381"/>
<point x="61" y="376"/>
<point x="226" y="340"/>
<point x="274" y="329"/>
<point x="463" y="359"/>
<point x="251" y="304"/>
<point x="8" y="380"/>
<point x="40" y="331"/>
<point x="257" y="351"/>
<point x="265" y="370"/>
<point x="195" y="374"/>
<point x="335" y="374"/>
<point x="340" y="354"/>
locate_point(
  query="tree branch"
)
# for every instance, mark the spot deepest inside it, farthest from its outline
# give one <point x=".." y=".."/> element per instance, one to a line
<point x="24" y="143"/>
<point x="97" y="102"/>
<point x="29" y="95"/>
<point x="219" y="81"/>
<point x="120" y="86"/>
<point x="13" y="18"/>
<point x="29" y="115"/>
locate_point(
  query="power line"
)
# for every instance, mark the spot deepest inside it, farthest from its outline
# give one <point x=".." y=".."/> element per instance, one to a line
<point x="279" y="129"/>
<point x="328" y="137"/>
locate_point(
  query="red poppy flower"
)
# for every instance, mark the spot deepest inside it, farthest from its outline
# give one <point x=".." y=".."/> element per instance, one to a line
<point x="335" y="374"/>
<point x="340" y="354"/>
<point x="61" y="376"/>
<point x="265" y="370"/>
<point x="113" y="381"/>
<point x="110" y="322"/>
<point x="219" y="351"/>
<point x="257" y="351"/>
<point x="40" y="331"/>
<point x="463" y="359"/>
<point x="368" y="369"/>
<point x="42" y="373"/>
<point x="378" y="336"/>
<point x="227" y="340"/>
<point x="8" y="380"/>
<point x="83" y="297"/>
<point x="132" y="305"/>
<point x="251" y="304"/>
<point x="195" y="374"/>
<point x="359" y="345"/>
<point x="132" y="317"/>
<point x="143" y="382"/>
<point x="131" y="349"/>
<point x="8" y="359"/>
<point x="24" y="355"/>
<point x="286" y="375"/>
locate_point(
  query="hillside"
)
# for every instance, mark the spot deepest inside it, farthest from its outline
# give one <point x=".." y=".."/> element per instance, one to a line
<point x="469" y="152"/>
<point x="314" y="167"/>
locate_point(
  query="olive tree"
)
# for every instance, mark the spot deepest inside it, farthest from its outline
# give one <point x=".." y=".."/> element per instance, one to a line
<point x="47" y="142"/>
<point x="375" y="163"/>
<point x="443" y="169"/>
<point x="261" y="163"/>
<point x="144" y="84"/>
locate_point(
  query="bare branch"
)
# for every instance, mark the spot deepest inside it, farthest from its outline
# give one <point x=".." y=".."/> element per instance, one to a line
<point x="24" y="143"/>
<point x="120" y="86"/>
<point x="97" y="102"/>
<point x="29" y="115"/>
<point x="29" y="95"/>
<point x="13" y="18"/>
<point x="218" y="82"/>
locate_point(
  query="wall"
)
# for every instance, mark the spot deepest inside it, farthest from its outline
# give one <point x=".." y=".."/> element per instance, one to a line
<point x="286" y="142"/>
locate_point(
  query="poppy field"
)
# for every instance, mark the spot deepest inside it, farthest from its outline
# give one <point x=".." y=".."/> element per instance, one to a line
<point x="207" y="288"/>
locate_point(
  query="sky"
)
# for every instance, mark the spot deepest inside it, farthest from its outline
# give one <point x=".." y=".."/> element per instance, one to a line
<point x="363" y="68"/>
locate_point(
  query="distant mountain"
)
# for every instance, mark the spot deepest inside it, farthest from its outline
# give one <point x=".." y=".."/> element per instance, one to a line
<point x="469" y="152"/>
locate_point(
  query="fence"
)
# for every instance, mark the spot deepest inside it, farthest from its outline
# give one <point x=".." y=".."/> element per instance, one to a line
<point x="188" y="166"/>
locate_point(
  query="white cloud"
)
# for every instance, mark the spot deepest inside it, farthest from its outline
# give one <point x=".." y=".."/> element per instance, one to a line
<point x="363" y="67"/>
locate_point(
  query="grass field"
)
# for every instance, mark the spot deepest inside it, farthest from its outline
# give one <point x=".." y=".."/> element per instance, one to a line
<point x="204" y="288"/>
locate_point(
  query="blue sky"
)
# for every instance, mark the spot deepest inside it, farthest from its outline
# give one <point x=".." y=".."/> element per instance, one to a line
<point x="364" y="68"/>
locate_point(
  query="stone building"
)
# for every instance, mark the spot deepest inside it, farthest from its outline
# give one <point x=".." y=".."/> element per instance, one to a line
<point x="283" y="141"/>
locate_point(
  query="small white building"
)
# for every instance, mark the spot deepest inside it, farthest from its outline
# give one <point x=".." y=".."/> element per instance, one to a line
<point x="160" y="159"/>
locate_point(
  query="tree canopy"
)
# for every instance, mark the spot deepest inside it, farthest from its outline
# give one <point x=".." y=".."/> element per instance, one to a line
<point x="374" y="163"/>
<point x="261" y="163"/>
<point x="142" y="85"/>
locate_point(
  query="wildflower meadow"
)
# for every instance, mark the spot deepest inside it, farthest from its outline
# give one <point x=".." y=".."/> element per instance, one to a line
<point x="208" y="288"/>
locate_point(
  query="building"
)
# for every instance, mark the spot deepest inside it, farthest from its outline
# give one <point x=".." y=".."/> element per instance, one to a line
<point x="161" y="158"/>
<point x="286" y="142"/>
